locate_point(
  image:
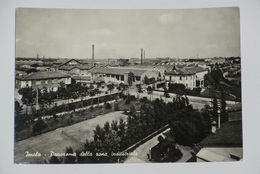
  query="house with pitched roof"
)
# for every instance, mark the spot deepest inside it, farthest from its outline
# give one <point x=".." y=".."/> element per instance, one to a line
<point x="190" y="76"/>
<point x="181" y="76"/>
<point x="38" y="80"/>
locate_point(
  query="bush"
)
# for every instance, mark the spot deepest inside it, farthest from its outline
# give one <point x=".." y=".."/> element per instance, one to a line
<point x="116" y="107"/>
<point x="39" y="125"/>
<point x="132" y="97"/>
<point x="176" y="87"/>
<point x="127" y="101"/>
<point x="196" y="91"/>
<point x="69" y="121"/>
<point x="143" y="100"/>
<point x="107" y="106"/>
<point x="91" y="108"/>
<point x="132" y="109"/>
<point x="160" y="85"/>
<point x="124" y="96"/>
<point x="55" y="118"/>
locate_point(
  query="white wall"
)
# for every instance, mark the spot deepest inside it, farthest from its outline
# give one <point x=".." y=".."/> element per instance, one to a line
<point x="200" y="75"/>
<point x="187" y="80"/>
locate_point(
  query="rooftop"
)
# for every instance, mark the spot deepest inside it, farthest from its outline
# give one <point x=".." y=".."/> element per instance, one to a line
<point x="228" y="135"/>
<point x="117" y="71"/>
<point x="42" y="75"/>
<point x="220" y="154"/>
<point x="68" y="68"/>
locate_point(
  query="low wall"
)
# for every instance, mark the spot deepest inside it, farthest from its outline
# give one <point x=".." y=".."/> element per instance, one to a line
<point x="133" y="147"/>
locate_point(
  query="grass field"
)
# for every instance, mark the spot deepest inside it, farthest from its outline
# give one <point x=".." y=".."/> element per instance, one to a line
<point x="57" y="140"/>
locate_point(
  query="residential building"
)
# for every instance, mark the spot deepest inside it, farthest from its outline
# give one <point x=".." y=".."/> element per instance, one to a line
<point x="50" y="80"/>
<point x="80" y="70"/>
<point x="181" y="76"/>
<point x="217" y="60"/>
<point x="120" y="75"/>
<point x="20" y="70"/>
<point x="190" y="76"/>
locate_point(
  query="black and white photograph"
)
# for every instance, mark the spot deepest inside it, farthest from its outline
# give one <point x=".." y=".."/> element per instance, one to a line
<point x="127" y="86"/>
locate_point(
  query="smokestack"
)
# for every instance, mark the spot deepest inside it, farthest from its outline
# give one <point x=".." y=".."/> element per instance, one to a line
<point x="141" y="55"/>
<point x="144" y="56"/>
<point x="92" y="62"/>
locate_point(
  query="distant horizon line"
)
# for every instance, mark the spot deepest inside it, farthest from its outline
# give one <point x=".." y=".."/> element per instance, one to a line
<point x="130" y="58"/>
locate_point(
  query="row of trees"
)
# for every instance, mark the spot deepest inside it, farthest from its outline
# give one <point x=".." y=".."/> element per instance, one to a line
<point x="46" y="97"/>
<point x="187" y="125"/>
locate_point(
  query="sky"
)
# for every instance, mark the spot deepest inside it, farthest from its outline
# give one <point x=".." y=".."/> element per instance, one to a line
<point x="175" y="33"/>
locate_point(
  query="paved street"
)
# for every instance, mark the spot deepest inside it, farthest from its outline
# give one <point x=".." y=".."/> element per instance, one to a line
<point x="197" y="102"/>
<point x="143" y="149"/>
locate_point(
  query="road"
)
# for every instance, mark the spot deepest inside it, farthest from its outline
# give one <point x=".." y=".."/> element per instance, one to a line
<point x="57" y="140"/>
<point x="142" y="150"/>
<point x="197" y="102"/>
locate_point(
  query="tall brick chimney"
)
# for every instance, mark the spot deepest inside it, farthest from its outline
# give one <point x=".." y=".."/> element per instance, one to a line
<point x="92" y="62"/>
<point x="144" y="57"/>
<point x="141" y="55"/>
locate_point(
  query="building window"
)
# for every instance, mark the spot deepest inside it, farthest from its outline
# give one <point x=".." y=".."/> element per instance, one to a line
<point x="37" y="82"/>
<point x="180" y="78"/>
<point x="54" y="81"/>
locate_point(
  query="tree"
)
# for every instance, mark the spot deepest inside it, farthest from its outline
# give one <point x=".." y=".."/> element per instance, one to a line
<point x="116" y="106"/>
<point x="215" y="108"/>
<point x="114" y="126"/>
<point x="165" y="92"/>
<point x="61" y="92"/>
<point x="54" y="160"/>
<point x="223" y="110"/>
<point x="132" y="109"/>
<point x="110" y="87"/>
<point x="70" y="156"/>
<point x="146" y="80"/>
<point x="130" y="79"/>
<point x="28" y="96"/>
<point x="106" y="127"/>
<point x="188" y="126"/>
<point x="18" y="109"/>
<point x="121" y="128"/>
<point x="149" y="89"/>
<point x="39" y="125"/>
<point x="99" y="134"/>
<point x="159" y="78"/>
